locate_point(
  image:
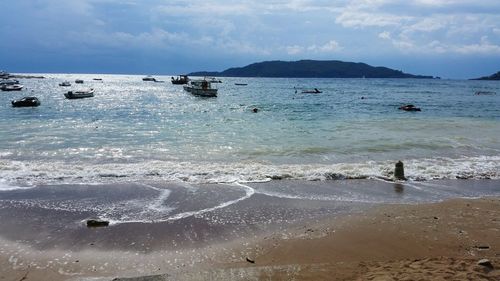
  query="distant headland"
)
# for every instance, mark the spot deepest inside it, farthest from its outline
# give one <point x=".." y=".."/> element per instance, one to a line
<point x="495" y="76"/>
<point x="311" y="69"/>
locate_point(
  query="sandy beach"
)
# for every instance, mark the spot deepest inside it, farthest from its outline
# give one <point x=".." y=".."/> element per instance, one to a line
<point x="301" y="240"/>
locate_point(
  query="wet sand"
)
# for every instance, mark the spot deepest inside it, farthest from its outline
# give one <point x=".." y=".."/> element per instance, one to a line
<point x="299" y="234"/>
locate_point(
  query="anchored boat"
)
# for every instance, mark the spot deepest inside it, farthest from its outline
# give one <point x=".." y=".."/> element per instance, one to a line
<point x="79" y="94"/>
<point x="202" y="88"/>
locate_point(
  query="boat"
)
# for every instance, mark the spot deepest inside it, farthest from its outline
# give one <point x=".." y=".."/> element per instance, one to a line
<point x="15" y="87"/>
<point x="79" y="81"/>
<point x="485" y="93"/>
<point x="180" y="80"/>
<point x="409" y="107"/>
<point x="240" y="84"/>
<point x="26" y="102"/>
<point x="97" y="79"/>
<point x="202" y="88"/>
<point x="65" y="84"/>
<point x="149" y="78"/>
<point x="214" y="80"/>
<point x="314" y="91"/>
<point x="4" y="74"/>
<point x="8" y="82"/>
<point x="79" y="94"/>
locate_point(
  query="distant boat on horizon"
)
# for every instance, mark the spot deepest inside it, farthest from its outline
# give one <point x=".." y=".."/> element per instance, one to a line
<point x="149" y="78"/>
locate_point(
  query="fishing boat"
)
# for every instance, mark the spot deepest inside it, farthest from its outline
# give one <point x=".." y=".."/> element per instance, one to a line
<point x="15" y="87"/>
<point x="202" y="88"/>
<point x="79" y="94"/>
<point x="180" y="80"/>
<point x="26" y="102"/>
<point x="65" y="84"/>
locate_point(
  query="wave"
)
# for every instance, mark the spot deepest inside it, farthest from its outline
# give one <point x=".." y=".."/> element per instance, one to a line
<point x="28" y="173"/>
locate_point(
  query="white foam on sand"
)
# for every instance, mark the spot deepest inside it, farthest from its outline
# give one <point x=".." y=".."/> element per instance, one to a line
<point x="4" y="186"/>
<point x="248" y="193"/>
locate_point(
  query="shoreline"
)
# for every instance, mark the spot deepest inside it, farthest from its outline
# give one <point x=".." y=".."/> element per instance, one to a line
<point x="301" y="236"/>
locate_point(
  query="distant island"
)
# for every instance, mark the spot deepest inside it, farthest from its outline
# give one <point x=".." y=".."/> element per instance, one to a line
<point x="495" y="76"/>
<point x="310" y="69"/>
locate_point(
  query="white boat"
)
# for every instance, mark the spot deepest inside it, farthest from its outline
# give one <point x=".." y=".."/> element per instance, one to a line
<point x="79" y="94"/>
<point x="214" y="80"/>
<point x="8" y="82"/>
<point x="4" y="74"/>
<point x="65" y="84"/>
<point x="15" y="87"/>
<point x="202" y="88"/>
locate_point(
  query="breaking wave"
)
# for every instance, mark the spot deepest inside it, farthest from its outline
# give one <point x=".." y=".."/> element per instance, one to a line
<point x="20" y="173"/>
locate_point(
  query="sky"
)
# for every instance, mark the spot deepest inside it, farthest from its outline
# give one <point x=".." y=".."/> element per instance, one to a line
<point x="448" y="38"/>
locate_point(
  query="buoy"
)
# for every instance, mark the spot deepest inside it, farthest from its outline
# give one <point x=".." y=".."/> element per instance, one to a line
<point x="255" y="110"/>
<point x="399" y="171"/>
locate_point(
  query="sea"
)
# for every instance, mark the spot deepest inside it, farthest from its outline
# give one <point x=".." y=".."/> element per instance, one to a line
<point x="135" y="134"/>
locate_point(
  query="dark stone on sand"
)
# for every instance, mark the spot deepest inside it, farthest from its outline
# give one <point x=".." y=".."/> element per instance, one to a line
<point x="250" y="260"/>
<point x="97" y="223"/>
<point x="486" y="263"/>
<point x="482" y="247"/>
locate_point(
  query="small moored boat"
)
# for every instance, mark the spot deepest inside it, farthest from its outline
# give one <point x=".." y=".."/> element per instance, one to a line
<point x="149" y="78"/>
<point x="65" y="84"/>
<point x="314" y="91"/>
<point x="79" y="94"/>
<point x="409" y="107"/>
<point x="180" y="80"/>
<point x="202" y="88"/>
<point x="26" y="102"/>
<point x="79" y="81"/>
<point x="8" y="82"/>
<point x="15" y="87"/>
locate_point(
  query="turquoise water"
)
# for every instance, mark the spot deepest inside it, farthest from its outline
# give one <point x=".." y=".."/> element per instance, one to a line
<point x="134" y="130"/>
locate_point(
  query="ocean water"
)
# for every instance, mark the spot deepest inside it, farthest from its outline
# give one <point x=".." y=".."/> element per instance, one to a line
<point x="134" y="131"/>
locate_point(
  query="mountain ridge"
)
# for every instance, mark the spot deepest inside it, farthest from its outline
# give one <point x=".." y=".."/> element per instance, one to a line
<point x="495" y="76"/>
<point x="310" y="69"/>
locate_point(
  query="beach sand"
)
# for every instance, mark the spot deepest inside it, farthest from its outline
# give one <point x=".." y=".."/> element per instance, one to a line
<point x="427" y="241"/>
<point x="441" y="241"/>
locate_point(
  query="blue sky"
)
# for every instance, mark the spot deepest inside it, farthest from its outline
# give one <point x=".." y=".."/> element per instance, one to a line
<point x="447" y="38"/>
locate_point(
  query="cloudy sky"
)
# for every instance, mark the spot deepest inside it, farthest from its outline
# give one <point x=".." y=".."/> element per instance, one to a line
<point x="447" y="38"/>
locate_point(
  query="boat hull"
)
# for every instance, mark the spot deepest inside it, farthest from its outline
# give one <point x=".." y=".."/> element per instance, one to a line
<point x="26" y="102"/>
<point x="201" y="92"/>
<point x="10" y="88"/>
<point x="79" y="95"/>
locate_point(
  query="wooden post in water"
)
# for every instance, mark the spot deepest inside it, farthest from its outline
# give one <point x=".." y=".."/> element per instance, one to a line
<point x="399" y="171"/>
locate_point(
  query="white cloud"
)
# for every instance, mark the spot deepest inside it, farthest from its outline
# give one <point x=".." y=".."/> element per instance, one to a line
<point x="330" y="46"/>
<point x="294" y="50"/>
<point x="384" y="35"/>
